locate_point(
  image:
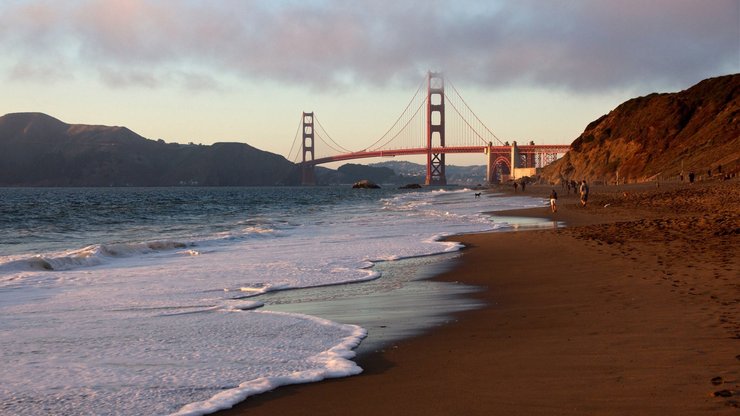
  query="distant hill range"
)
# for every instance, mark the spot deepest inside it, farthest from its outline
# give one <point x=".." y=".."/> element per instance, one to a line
<point x="397" y="172"/>
<point x="460" y="175"/>
<point x="659" y="136"/>
<point x="39" y="150"/>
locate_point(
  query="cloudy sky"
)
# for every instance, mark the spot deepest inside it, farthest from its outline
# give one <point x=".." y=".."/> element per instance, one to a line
<point x="244" y="70"/>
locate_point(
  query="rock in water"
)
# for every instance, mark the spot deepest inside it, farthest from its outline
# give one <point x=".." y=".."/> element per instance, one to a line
<point x="365" y="184"/>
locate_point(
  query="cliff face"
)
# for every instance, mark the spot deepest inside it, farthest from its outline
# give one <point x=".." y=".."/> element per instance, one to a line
<point x="658" y="135"/>
<point x="39" y="150"/>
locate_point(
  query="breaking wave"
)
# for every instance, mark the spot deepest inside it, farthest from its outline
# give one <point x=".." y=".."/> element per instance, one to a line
<point x="91" y="256"/>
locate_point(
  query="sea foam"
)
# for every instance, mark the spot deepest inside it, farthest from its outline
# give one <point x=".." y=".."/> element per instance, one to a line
<point x="172" y="320"/>
<point x="332" y="363"/>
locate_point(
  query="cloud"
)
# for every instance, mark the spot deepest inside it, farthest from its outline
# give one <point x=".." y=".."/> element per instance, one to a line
<point x="584" y="45"/>
<point x="46" y="71"/>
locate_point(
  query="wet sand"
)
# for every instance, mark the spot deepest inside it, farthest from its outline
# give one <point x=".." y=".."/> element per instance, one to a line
<point x="633" y="309"/>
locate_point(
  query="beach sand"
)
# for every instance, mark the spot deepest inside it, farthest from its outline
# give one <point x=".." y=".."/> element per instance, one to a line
<point x="633" y="309"/>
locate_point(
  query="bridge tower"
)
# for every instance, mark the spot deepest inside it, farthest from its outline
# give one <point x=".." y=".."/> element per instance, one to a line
<point x="435" y="128"/>
<point x="308" y="176"/>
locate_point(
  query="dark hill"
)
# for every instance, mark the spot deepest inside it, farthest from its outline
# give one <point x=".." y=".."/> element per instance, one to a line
<point x="39" y="150"/>
<point x="658" y="135"/>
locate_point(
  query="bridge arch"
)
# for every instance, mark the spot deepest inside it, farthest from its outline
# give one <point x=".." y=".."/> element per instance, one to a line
<point x="500" y="166"/>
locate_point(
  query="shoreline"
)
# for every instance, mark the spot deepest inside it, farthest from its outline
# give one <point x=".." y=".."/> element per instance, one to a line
<point x="606" y="316"/>
<point x="404" y="302"/>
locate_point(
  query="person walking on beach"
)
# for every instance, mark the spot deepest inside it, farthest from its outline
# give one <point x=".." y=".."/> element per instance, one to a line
<point x="584" y="192"/>
<point x="553" y="201"/>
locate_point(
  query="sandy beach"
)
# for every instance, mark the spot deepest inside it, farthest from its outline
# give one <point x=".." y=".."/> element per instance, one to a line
<point x="632" y="309"/>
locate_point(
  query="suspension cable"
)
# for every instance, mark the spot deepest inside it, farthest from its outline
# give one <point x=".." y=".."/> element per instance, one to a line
<point x="399" y="117"/>
<point x="295" y="140"/>
<point x="329" y="137"/>
<point x="466" y="122"/>
<point x="413" y="117"/>
<point x="318" y="136"/>
<point x="473" y="113"/>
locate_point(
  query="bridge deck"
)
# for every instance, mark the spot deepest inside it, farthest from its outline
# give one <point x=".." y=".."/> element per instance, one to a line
<point x="503" y="150"/>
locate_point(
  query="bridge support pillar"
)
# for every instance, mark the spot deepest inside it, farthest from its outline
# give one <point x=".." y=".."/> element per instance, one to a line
<point x="515" y="160"/>
<point x="490" y="165"/>
<point x="308" y="175"/>
<point x="435" y="129"/>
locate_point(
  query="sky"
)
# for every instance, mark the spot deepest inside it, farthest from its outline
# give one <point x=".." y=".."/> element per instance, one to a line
<point x="208" y="71"/>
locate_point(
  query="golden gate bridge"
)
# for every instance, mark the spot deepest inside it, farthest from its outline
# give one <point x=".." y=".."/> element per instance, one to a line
<point x="426" y="128"/>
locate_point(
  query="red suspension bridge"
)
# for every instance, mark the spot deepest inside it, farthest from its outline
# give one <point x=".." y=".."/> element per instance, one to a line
<point x="426" y="128"/>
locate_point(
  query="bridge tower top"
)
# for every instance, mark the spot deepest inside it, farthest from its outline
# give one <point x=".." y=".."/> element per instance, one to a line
<point x="435" y="128"/>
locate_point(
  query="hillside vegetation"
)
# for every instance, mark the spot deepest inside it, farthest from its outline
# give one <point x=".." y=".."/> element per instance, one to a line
<point x="659" y="136"/>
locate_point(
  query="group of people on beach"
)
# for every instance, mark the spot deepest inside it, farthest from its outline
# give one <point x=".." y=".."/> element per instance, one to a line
<point x="523" y="184"/>
<point x="692" y="177"/>
<point x="582" y="189"/>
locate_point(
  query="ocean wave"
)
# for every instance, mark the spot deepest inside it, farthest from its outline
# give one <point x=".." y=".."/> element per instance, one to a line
<point x="243" y="232"/>
<point x="252" y="289"/>
<point x="240" y="306"/>
<point x="90" y="256"/>
<point x="332" y="363"/>
<point x="449" y="191"/>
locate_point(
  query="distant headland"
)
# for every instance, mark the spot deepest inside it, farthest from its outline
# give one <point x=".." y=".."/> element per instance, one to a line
<point x="659" y="136"/>
<point x="39" y="150"/>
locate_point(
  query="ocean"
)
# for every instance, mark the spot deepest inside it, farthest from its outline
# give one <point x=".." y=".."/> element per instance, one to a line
<point x="157" y="301"/>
